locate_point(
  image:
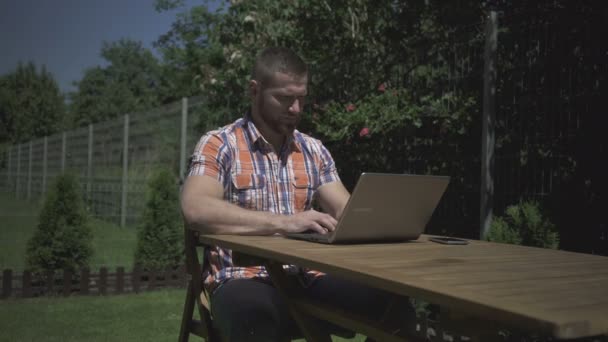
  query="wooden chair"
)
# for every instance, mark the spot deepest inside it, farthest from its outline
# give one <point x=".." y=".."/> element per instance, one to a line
<point x="196" y="295"/>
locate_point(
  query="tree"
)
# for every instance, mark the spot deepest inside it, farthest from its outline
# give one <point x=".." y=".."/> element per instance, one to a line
<point x="160" y="235"/>
<point x="130" y="83"/>
<point x="63" y="237"/>
<point x="186" y="48"/>
<point x="31" y="104"/>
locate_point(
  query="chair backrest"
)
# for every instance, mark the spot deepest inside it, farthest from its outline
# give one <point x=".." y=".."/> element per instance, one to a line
<point x="196" y="294"/>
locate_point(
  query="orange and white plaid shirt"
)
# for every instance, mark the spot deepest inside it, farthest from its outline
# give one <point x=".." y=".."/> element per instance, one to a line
<point x="256" y="178"/>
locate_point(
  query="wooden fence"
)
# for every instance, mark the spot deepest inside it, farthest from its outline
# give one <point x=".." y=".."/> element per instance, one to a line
<point x="84" y="282"/>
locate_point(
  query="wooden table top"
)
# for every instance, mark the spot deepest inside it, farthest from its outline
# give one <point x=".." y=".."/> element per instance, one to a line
<point x="560" y="293"/>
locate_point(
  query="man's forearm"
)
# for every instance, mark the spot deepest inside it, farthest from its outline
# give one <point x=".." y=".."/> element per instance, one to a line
<point x="216" y="216"/>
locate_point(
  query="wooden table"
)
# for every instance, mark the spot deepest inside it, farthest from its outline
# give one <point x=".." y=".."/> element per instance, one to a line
<point x="551" y="292"/>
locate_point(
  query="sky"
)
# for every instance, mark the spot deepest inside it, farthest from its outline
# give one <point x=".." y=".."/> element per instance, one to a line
<point x="66" y="35"/>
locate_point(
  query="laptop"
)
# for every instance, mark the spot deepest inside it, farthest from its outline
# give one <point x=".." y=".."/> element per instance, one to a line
<point x="385" y="207"/>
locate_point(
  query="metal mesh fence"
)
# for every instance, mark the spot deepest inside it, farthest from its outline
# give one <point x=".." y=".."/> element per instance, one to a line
<point x="95" y="155"/>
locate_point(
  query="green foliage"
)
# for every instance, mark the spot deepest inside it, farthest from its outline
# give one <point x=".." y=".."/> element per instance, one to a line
<point x="130" y="83"/>
<point x="160" y="235"/>
<point x="524" y="224"/>
<point x="500" y="231"/>
<point x="354" y="49"/>
<point x="63" y="237"/>
<point x="31" y="104"/>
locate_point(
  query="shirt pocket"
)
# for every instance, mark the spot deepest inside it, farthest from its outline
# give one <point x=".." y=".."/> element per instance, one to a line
<point x="302" y="193"/>
<point x="249" y="190"/>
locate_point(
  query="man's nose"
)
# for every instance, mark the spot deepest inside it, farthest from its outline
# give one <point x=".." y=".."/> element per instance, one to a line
<point x="296" y="106"/>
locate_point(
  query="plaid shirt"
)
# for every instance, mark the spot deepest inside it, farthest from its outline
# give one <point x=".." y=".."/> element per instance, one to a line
<point x="256" y="178"/>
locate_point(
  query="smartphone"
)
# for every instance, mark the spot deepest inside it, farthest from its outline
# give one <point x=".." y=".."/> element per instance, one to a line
<point x="449" y="240"/>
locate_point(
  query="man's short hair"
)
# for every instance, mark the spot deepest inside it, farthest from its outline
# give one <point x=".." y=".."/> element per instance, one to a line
<point x="277" y="59"/>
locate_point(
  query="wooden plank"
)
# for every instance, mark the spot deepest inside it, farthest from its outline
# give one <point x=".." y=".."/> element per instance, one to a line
<point x="84" y="281"/>
<point x="151" y="280"/>
<point x="7" y="283"/>
<point x="120" y="280"/>
<point x="136" y="279"/>
<point x="103" y="281"/>
<point x="67" y="282"/>
<point x="27" y="284"/>
<point x="49" y="278"/>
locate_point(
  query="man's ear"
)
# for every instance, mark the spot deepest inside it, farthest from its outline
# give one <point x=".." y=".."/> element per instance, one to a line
<point x="254" y="88"/>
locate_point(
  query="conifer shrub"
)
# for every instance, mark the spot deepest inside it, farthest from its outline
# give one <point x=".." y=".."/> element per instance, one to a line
<point x="160" y="234"/>
<point x="63" y="237"/>
<point x="524" y="224"/>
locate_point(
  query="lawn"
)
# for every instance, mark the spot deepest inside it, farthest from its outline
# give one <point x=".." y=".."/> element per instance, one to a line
<point x="113" y="246"/>
<point x="149" y="316"/>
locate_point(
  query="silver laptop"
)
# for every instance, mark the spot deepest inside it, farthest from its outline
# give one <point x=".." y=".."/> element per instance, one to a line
<point x="385" y="207"/>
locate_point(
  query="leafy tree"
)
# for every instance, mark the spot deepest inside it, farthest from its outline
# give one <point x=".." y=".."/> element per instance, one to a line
<point x="131" y="82"/>
<point x="160" y="235"/>
<point x="31" y="104"/>
<point x="63" y="237"/>
<point x="185" y="48"/>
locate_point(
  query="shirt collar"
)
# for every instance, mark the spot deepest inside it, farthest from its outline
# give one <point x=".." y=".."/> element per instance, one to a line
<point x="256" y="137"/>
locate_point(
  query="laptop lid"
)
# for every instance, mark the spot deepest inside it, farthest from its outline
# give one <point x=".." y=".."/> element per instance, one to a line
<point x="385" y="207"/>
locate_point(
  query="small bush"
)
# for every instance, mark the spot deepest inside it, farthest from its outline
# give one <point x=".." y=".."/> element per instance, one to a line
<point x="63" y="238"/>
<point x="160" y="235"/>
<point x="523" y="224"/>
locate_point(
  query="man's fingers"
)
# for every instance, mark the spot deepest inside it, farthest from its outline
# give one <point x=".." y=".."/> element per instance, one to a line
<point x="328" y="222"/>
<point x="318" y="228"/>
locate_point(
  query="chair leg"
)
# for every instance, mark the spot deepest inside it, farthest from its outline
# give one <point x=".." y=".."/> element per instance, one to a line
<point x="184" y="332"/>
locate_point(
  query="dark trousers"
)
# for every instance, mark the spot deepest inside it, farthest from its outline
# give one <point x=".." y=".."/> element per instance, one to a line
<point x="252" y="310"/>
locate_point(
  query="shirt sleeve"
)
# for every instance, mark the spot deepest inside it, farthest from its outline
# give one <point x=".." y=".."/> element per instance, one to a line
<point x="210" y="158"/>
<point x="328" y="171"/>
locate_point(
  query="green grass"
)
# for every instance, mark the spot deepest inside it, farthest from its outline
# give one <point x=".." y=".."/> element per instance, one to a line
<point x="151" y="316"/>
<point x="113" y="246"/>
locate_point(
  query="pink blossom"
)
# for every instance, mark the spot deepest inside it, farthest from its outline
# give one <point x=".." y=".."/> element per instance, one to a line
<point x="382" y="87"/>
<point x="364" y="132"/>
<point x="350" y="107"/>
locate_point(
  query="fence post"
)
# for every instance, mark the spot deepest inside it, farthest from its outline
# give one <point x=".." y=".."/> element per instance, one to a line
<point x="8" y="170"/>
<point x="135" y="279"/>
<point x="151" y="279"/>
<point x="49" y="276"/>
<point x="26" y="287"/>
<point x="184" y="136"/>
<point x="29" y="173"/>
<point x="7" y="283"/>
<point x="18" y="175"/>
<point x="84" y="281"/>
<point x="63" y="151"/>
<point x="103" y="281"/>
<point x="90" y="162"/>
<point x="44" y="164"/>
<point x="67" y="282"/>
<point x="125" y="172"/>
<point x="120" y="280"/>
<point x="488" y="125"/>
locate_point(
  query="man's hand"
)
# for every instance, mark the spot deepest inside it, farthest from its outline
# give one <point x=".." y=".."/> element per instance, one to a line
<point x="310" y="220"/>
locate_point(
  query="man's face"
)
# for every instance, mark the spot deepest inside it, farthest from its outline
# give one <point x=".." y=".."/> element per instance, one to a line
<point x="280" y="102"/>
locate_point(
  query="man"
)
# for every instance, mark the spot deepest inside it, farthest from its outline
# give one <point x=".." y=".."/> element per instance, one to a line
<point x="258" y="176"/>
